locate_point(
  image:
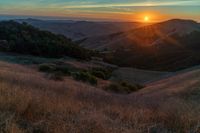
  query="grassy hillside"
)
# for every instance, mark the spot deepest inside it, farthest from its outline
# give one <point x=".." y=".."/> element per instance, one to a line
<point x="144" y="36"/>
<point x="132" y="75"/>
<point x="50" y="95"/>
<point x="168" y="46"/>
<point x="26" y="39"/>
<point x="29" y="102"/>
<point x="171" y="54"/>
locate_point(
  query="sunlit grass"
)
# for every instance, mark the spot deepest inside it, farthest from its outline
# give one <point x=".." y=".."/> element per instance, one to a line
<point x="31" y="103"/>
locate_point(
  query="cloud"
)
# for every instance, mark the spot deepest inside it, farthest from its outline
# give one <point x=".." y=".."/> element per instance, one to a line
<point x="135" y="4"/>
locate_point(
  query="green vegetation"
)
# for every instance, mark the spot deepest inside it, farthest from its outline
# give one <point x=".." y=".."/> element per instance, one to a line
<point x="85" y="77"/>
<point x="51" y="68"/>
<point x="46" y="67"/>
<point x="58" y="76"/>
<point x="26" y="39"/>
<point x="123" y="87"/>
<point x="58" y="71"/>
<point x="31" y="104"/>
<point x="55" y="72"/>
<point x="103" y="73"/>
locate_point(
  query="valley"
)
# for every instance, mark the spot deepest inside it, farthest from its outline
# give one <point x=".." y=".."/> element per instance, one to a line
<point x="135" y="80"/>
<point x="99" y="66"/>
<point x="28" y="96"/>
<point x="165" y="46"/>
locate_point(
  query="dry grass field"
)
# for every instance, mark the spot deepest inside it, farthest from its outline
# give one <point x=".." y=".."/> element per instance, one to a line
<point x="31" y="103"/>
<point x="138" y="76"/>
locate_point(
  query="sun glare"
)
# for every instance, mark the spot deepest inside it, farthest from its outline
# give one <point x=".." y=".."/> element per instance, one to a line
<point x="146" y="19"/>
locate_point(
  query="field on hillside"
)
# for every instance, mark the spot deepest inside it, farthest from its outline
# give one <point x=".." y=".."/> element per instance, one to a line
<point x="138" y="76"/>
<point x="30" y="102"/>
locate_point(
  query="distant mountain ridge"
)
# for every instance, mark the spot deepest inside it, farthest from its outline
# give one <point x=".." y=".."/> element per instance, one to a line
<point x="77" y="30"/>
<point x="167" y="46"/>
<point x="143" y="36"/>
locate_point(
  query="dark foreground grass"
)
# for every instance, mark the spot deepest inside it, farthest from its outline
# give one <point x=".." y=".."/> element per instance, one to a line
<point x="30" y="103"/>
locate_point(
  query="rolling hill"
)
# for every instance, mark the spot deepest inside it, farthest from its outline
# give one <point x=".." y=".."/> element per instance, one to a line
<point x="26" y="39"/>
<point x="168" y="46"/>
<point x="55" y="100"/>
<point x="30" y="102"/>
<point x="145" y="36"/>
<point x="78" y="30"/>
<point x="183" y="84"/>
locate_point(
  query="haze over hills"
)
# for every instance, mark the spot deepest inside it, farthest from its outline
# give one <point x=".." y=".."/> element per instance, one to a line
<point x="144" y="36"/>
<point x="169" y="46"/>
<point x="77" y="30"/>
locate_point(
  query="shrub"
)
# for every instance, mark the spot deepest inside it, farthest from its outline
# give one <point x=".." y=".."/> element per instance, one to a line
<point x="47" y="68"/>
<point x="131" y="87"/>
<point x="99" y="74"/>
<point x="123" y="87"/>
<point x="115" y="88"/>
<point x="102" y="73"/>
<point x="63" y="69"/>
<point x="85" y="77"/>
<point x="52" y="68"/>
<point x="58" y="76"/>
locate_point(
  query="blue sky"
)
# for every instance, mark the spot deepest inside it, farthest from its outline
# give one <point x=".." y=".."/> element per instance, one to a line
<point x="104" y="9"/>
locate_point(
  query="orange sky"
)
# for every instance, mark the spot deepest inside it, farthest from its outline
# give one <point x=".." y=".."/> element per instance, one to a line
<point x="117" y="10"/>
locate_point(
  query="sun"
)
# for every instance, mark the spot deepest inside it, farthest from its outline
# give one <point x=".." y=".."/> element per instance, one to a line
<point x="146" y="19"/>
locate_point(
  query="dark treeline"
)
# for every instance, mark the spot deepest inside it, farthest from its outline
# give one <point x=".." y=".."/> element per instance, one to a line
<point x="26" y="39"/>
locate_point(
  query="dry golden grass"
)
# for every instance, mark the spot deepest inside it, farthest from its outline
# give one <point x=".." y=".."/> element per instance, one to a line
<point x="29" y="102"/>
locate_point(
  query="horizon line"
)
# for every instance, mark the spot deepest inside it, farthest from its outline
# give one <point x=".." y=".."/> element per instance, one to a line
<point x="63" y="18"/>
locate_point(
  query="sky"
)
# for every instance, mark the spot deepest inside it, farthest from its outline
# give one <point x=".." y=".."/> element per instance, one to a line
<point x="114" y="10"/>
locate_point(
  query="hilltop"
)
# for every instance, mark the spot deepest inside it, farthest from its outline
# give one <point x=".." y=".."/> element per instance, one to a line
<point x="167" y="46"/>
<point x="145" y="36"/>
<point x="26" y="39"/>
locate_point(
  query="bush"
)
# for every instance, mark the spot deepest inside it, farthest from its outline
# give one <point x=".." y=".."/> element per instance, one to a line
<point x="102" y="73"/>
<point x="114" y="88"/>
<point x="63" y="69"/>
<point x="58" y="71"/>
<point x="99" y="74"/>
<point x="131" y="87"/>
<point x="52" y="68"/>
<point x="85" y="77"/>
<point x="58" y="76"/>
<point x="123" y="87"/>
<point x="47" y="68"/>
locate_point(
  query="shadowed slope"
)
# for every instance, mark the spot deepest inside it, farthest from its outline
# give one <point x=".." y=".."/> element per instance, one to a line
<point x="31" y="103"/>
<point x="144" y="36"/>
